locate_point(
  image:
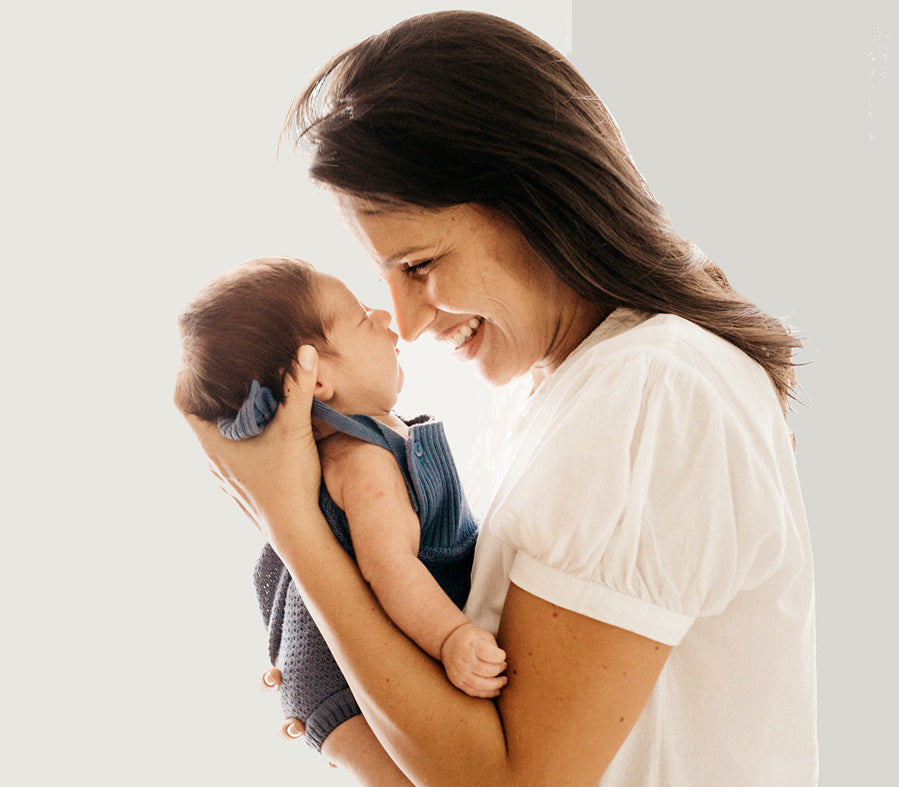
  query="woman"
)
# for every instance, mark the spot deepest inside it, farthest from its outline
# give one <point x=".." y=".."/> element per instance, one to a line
<point x="645" y="560"/>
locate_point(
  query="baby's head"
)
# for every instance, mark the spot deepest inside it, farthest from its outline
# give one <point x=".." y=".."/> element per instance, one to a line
<point x="249" y="323"/>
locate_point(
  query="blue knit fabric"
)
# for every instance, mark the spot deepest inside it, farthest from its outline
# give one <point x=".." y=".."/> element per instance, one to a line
<point x="257" y="410"/>
<point x="313" y="689"/>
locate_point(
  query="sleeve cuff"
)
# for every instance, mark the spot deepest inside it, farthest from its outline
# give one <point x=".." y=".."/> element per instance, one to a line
<point x="598" y="601"/>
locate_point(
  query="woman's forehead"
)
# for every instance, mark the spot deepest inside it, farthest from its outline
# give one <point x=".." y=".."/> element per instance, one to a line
<point x="390" y="236"/>
<point x="364" y="206"/>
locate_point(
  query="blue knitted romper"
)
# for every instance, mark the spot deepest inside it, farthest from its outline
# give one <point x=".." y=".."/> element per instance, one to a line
<point x="313" y="689"/>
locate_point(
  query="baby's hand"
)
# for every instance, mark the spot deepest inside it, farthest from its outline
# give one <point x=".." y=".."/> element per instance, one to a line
<point x="473" y="661"/>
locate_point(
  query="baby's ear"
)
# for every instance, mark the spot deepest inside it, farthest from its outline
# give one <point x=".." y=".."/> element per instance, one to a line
<point x="324" y="383"/>
<point x="324" y="391"/>
<point x="324" y="388"/>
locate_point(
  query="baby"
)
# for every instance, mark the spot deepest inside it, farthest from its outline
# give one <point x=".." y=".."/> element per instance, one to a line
<point x="390" y="490"/>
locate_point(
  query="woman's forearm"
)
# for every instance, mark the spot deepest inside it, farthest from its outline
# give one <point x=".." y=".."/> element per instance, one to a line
<point x="576" y="685"/>
<point x="403" y="693"/>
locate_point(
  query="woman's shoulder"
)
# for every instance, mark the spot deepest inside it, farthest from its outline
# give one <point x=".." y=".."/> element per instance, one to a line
<point x="628" y="333"/>
<point x="635" y="348"/>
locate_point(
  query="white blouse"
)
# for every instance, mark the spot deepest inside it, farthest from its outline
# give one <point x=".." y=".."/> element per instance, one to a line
<point x="650" y="483"/>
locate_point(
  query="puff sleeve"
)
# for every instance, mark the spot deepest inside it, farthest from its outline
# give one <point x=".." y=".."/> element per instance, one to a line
<point x="648" y="500"/>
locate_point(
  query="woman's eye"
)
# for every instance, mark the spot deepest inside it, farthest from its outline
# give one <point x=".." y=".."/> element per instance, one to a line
<point x="418" y="268"/>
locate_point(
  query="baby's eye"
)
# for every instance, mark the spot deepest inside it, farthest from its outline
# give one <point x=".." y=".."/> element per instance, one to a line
<point x="418" y="268"/>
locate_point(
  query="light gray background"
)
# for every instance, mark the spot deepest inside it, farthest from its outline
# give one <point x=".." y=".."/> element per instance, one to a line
<point x="769" y="130"/>
<point x="138" y="159"/>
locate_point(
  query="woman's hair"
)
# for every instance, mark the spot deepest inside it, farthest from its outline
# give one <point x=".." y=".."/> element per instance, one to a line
<point x="463" y="107"/>
<point x="246" y="324"/>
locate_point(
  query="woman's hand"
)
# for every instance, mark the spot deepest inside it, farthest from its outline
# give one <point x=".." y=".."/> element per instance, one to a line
<point x="279" y="470"/>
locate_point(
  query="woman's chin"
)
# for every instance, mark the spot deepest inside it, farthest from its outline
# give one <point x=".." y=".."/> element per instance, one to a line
<point x="495" y="373"/>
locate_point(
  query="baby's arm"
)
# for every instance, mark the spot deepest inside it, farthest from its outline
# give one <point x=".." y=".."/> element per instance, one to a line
<point x="366" y="483"/>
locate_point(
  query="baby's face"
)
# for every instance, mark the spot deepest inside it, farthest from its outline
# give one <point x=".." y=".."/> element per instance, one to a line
<point x="365" y="372"/>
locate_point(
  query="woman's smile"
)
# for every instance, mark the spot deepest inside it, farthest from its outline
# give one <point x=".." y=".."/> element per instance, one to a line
<point x="466" y="274"/>
<point x="463" y="334"/>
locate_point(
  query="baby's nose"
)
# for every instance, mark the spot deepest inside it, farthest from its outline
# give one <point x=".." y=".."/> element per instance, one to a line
<point x="381" y="316"/>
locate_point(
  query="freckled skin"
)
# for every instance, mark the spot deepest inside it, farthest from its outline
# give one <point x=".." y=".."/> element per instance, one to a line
<point x="446" y="266"/>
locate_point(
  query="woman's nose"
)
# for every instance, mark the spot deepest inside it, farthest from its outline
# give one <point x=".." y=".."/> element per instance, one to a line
<point x="412" y="312"/>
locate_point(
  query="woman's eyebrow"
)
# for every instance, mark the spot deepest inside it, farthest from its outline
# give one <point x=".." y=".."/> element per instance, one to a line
<point x="394" y="260"/>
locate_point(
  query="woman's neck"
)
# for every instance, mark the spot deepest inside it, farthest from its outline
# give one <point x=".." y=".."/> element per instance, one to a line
<point x="577" y="321"/>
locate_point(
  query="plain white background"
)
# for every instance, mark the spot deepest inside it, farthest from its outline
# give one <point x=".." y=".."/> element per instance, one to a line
<point x="138" y="160"/>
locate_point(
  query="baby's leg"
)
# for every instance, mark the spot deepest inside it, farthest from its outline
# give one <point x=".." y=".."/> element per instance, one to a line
<point x="354" y="747"/>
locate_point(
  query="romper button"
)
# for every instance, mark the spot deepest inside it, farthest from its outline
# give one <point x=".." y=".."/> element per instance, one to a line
<point x="419" y="450"/>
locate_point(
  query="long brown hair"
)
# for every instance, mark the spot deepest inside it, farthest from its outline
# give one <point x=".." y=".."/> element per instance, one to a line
<point x="246" y="324"/>
<point x="463" y="107"/>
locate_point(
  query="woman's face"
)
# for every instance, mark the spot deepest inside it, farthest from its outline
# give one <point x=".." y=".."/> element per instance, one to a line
<point x="466" y="275"/>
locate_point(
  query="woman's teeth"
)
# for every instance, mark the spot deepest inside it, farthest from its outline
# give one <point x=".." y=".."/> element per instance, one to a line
<point x="464" y="334"/>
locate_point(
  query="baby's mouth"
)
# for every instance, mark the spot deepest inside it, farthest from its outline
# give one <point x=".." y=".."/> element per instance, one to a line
<point x="466" y="333"/>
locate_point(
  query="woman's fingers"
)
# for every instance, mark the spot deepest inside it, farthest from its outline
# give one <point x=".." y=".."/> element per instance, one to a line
<point x="217" y="448"/>
<point x="279" y="469"/>
<point x="294" y="414"/>
<point x="208" y="435"/>
<point x="234" y="495"/>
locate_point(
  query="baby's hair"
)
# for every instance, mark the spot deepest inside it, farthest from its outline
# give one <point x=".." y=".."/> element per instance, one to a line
<point x="246" y="324"/>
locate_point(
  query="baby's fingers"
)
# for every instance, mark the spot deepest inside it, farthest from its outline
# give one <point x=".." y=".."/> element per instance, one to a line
<point x="489" y="669"/>
<point x="485" y="688"/>
<point x="490" y="653"/>
<point x="293" y="729"/>
<point x="271" y="680"/>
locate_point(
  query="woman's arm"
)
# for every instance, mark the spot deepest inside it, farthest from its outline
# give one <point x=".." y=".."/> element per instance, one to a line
<point x="365" y="481"/>
<point x="576" y="685"/>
